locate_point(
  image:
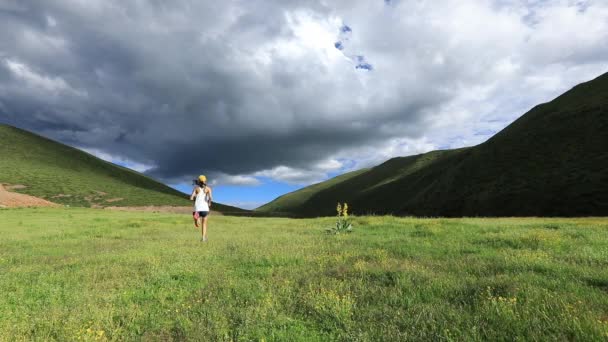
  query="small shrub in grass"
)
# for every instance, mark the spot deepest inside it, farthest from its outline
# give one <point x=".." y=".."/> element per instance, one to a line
<point x="343" y="224"/>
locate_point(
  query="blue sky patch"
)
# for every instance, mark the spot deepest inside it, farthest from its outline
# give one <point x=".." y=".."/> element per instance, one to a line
<point x="246" y="197"/>
<point x="364" y="66"/>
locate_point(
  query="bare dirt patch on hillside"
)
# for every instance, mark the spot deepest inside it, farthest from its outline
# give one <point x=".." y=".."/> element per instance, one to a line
<point x="10" y="199"/>
<point x="12" y="187"/>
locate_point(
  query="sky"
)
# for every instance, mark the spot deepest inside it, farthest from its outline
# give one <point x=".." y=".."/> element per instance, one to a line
<point x="265" y="97"/>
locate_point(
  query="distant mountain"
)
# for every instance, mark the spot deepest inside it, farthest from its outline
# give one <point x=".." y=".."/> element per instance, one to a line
<point x="292" y="201"/>
<point x="552" y="161"/>
<point x="61" y="174"/>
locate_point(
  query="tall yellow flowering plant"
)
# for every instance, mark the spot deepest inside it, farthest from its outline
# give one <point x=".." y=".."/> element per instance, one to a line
<point x="343" y="224"/>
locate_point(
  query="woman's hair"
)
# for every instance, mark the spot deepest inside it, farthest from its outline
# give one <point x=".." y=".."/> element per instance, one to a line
<point x="198" y="182"/>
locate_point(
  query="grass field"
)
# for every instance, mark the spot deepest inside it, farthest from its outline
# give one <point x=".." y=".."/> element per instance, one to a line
<point x="86" y="274"/>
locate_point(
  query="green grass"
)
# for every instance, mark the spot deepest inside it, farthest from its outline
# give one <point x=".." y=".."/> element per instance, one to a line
<point x="68" y="274"/>
<point x="66" y="175"/>
<point x="552" y="161"/>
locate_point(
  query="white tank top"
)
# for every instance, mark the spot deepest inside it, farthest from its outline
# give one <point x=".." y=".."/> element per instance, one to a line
<point x="202" y="199"/>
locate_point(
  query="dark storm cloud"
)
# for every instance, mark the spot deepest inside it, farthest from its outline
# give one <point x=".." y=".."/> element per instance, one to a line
<point x="164" y="95"/>
<point x="238" y="87"/>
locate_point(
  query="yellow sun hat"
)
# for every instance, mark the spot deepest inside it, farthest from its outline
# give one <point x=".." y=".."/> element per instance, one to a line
<point x="202" y="179"/>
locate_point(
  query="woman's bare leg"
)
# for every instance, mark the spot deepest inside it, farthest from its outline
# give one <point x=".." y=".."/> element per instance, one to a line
<point x="205" y="227"/>
<point x="199" y="222"/>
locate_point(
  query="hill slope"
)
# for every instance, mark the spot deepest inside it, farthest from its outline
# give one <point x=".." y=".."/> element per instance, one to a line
<point x="552" y="161"/>
<point x="66" y="175"/>
<point x="292" y="201"/>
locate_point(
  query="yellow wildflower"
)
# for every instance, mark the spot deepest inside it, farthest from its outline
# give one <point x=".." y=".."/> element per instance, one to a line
<point x="339" y="209"/>
<point x="345" y="210"/>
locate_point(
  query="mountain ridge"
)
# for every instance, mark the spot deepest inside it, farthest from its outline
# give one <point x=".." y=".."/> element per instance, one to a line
<point x="548" y="162"/>
<point x="63" y="174"/>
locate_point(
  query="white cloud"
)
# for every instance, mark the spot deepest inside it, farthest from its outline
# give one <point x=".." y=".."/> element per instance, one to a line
<point x="37" y="81"/>
<point x="51" y="21"/>
<point x="246" y="204"/>
<point x="302" y="175"/>
<point x="329" y="165"/>
<point x="223" y="179"/>
<point x="261" y="91"/>
<point x="23" y="72"/>
<point x="398" y="147"/>
<point x="293" y="175"/>
<point x="139" y="167"/>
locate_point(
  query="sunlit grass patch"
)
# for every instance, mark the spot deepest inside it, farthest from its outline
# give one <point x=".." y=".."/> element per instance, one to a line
<point x="69" y="274"/>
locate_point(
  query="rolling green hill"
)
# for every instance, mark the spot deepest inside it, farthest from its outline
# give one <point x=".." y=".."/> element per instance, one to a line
<point x="66" y="175"/>
<point x="552" y="161"/>
<point x="290" y="202"/>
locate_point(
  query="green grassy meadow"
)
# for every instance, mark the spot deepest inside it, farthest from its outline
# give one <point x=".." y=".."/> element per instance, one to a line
<point x="87" y="274"/>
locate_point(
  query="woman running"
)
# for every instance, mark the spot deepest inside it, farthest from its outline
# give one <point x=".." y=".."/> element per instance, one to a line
<point x="201" y="195"/>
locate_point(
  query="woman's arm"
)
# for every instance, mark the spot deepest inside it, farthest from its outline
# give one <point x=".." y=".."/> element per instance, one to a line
<point x="210" y="196"/>
<point x="193" y="196"/>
